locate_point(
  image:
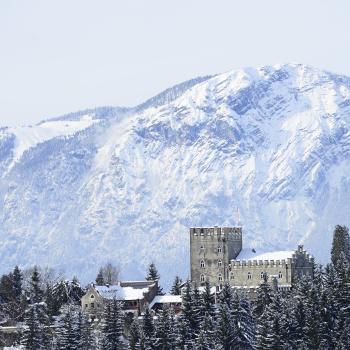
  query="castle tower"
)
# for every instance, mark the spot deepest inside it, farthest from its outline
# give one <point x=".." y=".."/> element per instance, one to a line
<point x="212" y="249"/>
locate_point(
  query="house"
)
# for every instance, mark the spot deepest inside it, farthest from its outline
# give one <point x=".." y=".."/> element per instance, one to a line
<point x="161" y="302"/>
<point x="135" y="295"/>
<point x="216" y="255"/>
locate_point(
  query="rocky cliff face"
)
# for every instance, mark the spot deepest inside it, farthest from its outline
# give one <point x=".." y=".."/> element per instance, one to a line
<point x="125" y="184"/>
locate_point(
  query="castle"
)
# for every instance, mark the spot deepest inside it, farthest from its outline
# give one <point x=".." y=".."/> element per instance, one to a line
<point x="216" y="255"/>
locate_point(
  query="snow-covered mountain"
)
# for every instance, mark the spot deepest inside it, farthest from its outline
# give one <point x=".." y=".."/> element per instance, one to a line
<point x="124" y="184"/>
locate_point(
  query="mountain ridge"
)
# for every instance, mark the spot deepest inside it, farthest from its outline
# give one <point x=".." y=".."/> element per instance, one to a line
<point x="272" y="141"/>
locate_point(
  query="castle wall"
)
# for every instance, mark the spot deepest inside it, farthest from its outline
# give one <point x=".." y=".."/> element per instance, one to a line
<point x="250" y="273"/>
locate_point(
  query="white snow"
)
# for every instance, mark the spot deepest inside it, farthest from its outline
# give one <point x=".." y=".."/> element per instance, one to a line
<point x="166" y="299"/>
<point x="121" y="293"/>
<point x="248" y="254"/>
<point x="273" y="142"/>
<point x="29" y="136"/>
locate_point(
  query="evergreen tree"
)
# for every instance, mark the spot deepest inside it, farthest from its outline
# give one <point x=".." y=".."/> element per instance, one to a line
<point x="340" y="244"/>
<point x="226" y="332"/>
<point x="176" y="288"/>
<point x="68" y="338"/>
<point x="153" y="275"/>
<point x="36" y="293"/>
<point x="86" y="339"/>
<point x="50" y="302"/>
<point x="163" y="332"/>
<point x="17" y="283"/>
<point x="99" y="278"/>
<point x="183" y="334"/>
<point x="31" y="337"/>
<point x="263" y="297"/>
<point x="112" y="326"/>
<point x="134" y="335"/>
<point x="207" y="300"/>
<point x="244" y="322"/>
<point x="148" y="326"/>
<point x="226" y="295"/>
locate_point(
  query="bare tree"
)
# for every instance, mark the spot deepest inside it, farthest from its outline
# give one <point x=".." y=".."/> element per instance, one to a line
<point x="110" y="273"/>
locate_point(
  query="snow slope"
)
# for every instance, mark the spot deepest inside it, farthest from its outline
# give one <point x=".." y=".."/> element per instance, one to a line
<point x="272" y="141"/>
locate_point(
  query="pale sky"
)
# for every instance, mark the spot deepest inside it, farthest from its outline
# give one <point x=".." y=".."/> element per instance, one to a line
<point x="60" y="56"/>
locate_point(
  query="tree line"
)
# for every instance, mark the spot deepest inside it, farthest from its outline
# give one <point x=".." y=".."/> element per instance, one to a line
<point x="314" y="314"/>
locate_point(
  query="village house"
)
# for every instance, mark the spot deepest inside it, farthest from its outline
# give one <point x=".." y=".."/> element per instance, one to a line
<point x="135" y="295"/>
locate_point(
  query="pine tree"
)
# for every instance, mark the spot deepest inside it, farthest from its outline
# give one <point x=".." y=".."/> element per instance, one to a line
<point x="263" y="297"/>
<point x="31" y="337"/>
<point x="153" y="275"/>
<point x="226" y="332"/>
<point x="36" y="293"/>
<point x="148" y="326"/>
<point x="50" y="302"/>
<point x="86" y="339"/>
<point x="244" y="322"/>
<point x="17" y="283"/>
<point x="134" y="335"/>
<point x="67" y="334"/>
<point x="208" y="300"/>
<point x="176" y="288"/>
<point x="99" y="278"/>
<point x="163" y="332"/>
<point x="112" y="326"/>
<point x="226" y="295"/>
<point x="187" y="310"/>
<point x="340" y="244"/>
<point x="183" y="333"/>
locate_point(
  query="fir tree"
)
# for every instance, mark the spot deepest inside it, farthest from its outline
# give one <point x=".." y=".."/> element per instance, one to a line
<point x="163" y="332"/>
<point x="153" y="275"/>
<point x="36" y="293"/>
<point x="99" y="278"/>
<point x="67" y="334"/>
<point x="226" y="332"/>
<point x="134" y="335"/>
<point x="176" y="288"/>
<point x="17" y="283"/>
<point x="31" y="337"/>
<point x="207" y="300"/>
<point x="148" y="326"/>
<point x="263" y="297"/>
<point x="112" y="326"/>
<point x="340" y="244"/>
<point x="86" y="339"/>
<point x="226" y="295"/>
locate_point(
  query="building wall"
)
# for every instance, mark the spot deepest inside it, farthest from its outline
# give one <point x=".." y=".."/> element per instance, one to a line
<point x="211" y="250"/>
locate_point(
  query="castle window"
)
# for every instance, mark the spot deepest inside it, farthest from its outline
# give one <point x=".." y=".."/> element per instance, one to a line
<point x="92" y="305"/>
<point x="262" y="274"/>
<point x="249" y="276"/>
<point x="86" y="305"/>
<point x="202" y="247"/>
<point x="219" y="249"/>
<point x="232" y="276"/>
<point x="219" y="263"/>
<point x="202" y="278"/>
<point x="280" y="274"/>
<point x="92" y="296"/>
<point x="202" y="264"/>
<point x="220" y="277"/>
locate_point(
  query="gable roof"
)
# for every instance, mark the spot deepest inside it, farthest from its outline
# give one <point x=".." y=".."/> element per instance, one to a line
<point x="123" y="291"/>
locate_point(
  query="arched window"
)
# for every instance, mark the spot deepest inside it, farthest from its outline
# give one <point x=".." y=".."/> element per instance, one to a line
<point x="202" y="278"/>
<point x="92" y="296"/>
<point x="219" y="249"/>
<point x="280" y="274"/>
<point x="249" y="276"/>
<point x="220" y="277"/>
<point x="219" y="263"/>
<point x="202" y="264"/>
<point x="232" y="276"/>
<point x="202" y="247"/>
<point x="262" y="274"/>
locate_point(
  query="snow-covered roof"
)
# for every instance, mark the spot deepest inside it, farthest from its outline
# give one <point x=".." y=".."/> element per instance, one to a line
<point x="212" y="289"/>
<point x="165" y="299"/>
<point x="121" y="293"/>
<point x="249" y="254"/>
